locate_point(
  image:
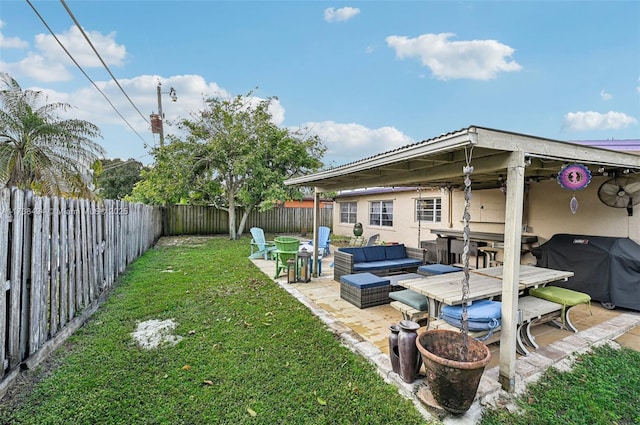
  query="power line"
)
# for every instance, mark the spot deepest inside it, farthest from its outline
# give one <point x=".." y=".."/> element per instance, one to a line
<point x="83" y="71"/>
<point x="102" y="61"/>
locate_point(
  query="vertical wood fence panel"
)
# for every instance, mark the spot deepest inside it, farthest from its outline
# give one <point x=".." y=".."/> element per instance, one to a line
<point x="57" y="258"/>
<point x="5" y="204"/>
<point x="206" y="220"/>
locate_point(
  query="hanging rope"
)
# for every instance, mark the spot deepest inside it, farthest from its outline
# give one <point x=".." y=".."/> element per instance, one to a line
<point x="466" y="217"/>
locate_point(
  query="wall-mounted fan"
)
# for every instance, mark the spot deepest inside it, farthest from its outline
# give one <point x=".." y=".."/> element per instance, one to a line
<point x="621" y="192"/>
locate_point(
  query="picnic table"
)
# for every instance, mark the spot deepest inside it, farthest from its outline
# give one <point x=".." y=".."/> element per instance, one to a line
<point x="484" y="283"/>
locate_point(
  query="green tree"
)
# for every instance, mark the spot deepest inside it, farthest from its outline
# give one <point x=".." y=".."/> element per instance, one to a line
<point x="234" y="157"/>
<point x="41" y="151"/>
<point x="172" y="179"/>
<point x="116" y="177"/>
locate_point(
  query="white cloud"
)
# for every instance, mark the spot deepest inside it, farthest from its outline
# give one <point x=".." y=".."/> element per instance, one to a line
<point x="49" y="63"/>
<point x="112" y="53"/>
<point x="583" y="121"/>
<point x="448" y="60"/>
<point x="88" y="104"/>
<point x="11" y="42"/>
<point x="343" y="14"/>
<point x="605" y="96"/>
<point x="351" y="142"/>
<point x="37" y="67"/>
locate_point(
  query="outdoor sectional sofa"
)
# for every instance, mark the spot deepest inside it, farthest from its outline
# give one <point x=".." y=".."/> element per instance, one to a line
<point x="380" y="260"/>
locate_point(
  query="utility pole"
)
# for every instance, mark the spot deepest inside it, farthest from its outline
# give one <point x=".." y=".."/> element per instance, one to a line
<point x="157" y="119"/>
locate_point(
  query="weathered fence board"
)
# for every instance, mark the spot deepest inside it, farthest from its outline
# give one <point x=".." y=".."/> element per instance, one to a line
<point x="203" y="220"/>
<point x="5" y="203"/>
<point x="58" y="258"/>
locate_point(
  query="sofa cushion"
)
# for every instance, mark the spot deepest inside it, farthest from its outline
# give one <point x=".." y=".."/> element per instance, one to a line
<point x="358" y="254"/>
<point x="364" y="280"/>
<point x="374" y="253"/>
<point x="405" y="262"/>
<point x="374" y="265"/>
<point x="394" y="252"/>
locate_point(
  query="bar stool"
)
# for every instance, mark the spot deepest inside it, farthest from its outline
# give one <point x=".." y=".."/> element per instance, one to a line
<point x="490" y="253"/>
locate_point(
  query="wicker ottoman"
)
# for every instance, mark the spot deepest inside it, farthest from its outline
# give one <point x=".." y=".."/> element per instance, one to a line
<point x="431" y="269"/>
<point x="364" y="289"/>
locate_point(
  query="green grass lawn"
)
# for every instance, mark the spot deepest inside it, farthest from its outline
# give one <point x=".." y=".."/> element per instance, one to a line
<point x="250" y="353"/>
<point x="253" y="354"/>
<point x="603" y="388"/>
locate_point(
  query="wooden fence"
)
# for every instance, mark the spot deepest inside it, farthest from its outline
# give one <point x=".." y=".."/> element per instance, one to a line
<point x="206" y="220"/>
<point x="58" y="259"/>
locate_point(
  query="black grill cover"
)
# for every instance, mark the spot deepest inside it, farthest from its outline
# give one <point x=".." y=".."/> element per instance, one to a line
<point x="606" y="268"/>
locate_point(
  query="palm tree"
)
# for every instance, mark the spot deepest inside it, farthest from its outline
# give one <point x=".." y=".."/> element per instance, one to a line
<point x="38" y="149"/>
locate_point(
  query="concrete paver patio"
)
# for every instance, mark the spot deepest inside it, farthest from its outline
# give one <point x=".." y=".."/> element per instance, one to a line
<point x="366" y="332"/>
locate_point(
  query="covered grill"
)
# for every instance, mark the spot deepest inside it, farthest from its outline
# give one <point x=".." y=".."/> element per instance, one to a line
<point x="606" y="268"/>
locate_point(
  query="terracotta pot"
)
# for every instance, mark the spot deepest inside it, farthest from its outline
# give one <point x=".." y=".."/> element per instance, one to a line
<point x="453" y="380"/>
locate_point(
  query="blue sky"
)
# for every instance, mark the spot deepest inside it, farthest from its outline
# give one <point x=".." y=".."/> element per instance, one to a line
<point x="365" y="76"/>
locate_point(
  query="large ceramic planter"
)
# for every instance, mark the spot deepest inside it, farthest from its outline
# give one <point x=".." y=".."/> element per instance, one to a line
<point x="452" y="380"/>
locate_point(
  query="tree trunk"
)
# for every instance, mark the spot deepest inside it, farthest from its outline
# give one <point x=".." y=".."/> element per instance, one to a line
<point x="232" y="218"/>
<point x="243" y="220"/>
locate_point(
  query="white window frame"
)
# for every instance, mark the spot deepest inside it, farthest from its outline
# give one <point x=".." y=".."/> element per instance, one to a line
<point x="381" y="213"/>
<point x="351" y="213"/>
<point x="431" y="206"/>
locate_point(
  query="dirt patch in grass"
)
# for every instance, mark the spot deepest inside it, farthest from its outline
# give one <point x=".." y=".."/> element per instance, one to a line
<point x="27" y="379"/>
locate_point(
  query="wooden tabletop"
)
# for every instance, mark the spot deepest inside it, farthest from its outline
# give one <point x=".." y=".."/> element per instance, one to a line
<point x="483" y="283"/>
<point x="530" y="276"/>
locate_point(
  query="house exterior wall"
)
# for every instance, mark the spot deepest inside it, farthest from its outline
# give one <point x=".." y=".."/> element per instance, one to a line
<point x="405" y="226"/>
<point x="546" y="213"/>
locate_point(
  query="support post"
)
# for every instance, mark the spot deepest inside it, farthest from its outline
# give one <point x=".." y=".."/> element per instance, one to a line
<point x="316" y="215"/>
<point x="511" y="269"/>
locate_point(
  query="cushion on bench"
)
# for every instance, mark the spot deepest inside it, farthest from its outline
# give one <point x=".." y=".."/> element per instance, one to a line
<point x="564" y="296"/>
<point x="411" y="298"/>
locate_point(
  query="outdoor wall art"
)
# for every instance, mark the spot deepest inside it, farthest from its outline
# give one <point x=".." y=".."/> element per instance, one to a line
<point x="574" y="177"/>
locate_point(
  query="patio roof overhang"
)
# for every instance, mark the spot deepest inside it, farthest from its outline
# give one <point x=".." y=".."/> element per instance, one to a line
<point x="496" y="156"/>
<point x="438" y="162"/>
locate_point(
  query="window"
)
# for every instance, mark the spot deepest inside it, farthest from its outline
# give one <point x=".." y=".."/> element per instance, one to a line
<point x="348" y="212"/>
<point x="381" y="213"/>
<point x="429" y="210"/>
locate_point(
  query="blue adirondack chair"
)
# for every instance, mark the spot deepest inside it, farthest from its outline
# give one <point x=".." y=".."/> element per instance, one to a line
<point x="260" y="247"/>
<point x="323" y="240"/>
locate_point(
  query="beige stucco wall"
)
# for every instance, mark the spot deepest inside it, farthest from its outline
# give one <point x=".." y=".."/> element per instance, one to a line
<point x="546" y="213"/>
<point x="405" y="227"/>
